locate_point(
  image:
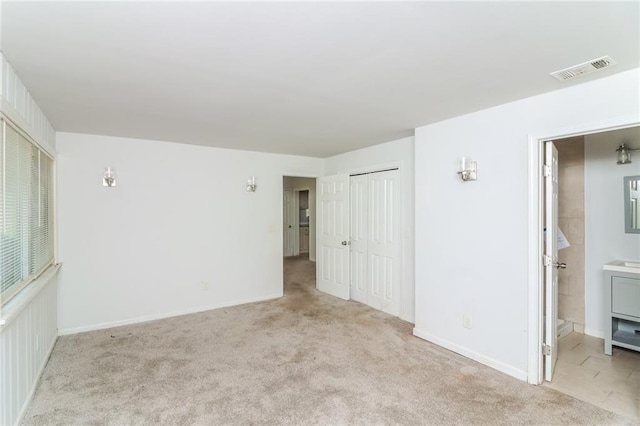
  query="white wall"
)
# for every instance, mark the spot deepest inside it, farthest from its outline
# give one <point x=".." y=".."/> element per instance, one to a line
<point x="301" y="184"/>
<point x="472" y="238"/>
<point x="399" y="153"/>
<point x="179" y="233"/>
<point x="605" y="239"/>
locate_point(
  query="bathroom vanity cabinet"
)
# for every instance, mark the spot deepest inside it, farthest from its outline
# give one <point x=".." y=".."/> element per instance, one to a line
<point x="622" y="305"/>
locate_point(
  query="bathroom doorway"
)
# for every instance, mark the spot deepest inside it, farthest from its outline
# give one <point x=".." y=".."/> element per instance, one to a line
<point x="591" y="224"/>
<point x="591" y="233"/>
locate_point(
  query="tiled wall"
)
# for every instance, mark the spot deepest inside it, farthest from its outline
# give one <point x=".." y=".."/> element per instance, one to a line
<point x="571" y="287"/>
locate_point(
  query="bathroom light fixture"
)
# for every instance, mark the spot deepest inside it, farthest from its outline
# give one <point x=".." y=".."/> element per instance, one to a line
<point x="251" y="184"/>
<point x="624" y="153"/>
<point x="109" y="178"/>
<point x="467" y="169"/>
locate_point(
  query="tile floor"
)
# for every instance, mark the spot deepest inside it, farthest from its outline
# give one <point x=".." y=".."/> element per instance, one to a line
<point x="585" y="372"/>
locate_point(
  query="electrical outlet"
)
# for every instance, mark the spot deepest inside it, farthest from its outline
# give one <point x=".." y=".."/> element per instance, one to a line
<point x="466" y="322"/>
<point x="204" y="285"/>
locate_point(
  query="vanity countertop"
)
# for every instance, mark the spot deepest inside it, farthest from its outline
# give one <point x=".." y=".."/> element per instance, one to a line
<point x="628" y="266"/>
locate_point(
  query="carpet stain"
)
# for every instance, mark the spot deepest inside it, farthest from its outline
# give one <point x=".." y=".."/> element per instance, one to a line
<point x="304" y="359"/>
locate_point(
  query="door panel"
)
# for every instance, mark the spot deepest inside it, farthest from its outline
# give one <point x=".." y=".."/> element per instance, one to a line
<point x="384" y="241"/>
<point x="333" y="235"/>
<point x="287" y="222"/>
<point x="551" y="250"/>
<point x="359" y="234"/>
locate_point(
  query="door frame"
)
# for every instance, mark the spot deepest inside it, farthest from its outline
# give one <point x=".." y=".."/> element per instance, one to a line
<point x="284" y="230"/>
<point x="281" y="191"/>
<point x="296" y="222"/>
<point x="296" y="196"/>
<point x="535" y="366"/>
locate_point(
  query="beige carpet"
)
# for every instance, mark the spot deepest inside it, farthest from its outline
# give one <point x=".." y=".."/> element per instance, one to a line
<point x="304" y="359"/>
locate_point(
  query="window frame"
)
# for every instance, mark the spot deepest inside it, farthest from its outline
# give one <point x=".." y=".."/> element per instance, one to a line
<point x="30" y="248"/>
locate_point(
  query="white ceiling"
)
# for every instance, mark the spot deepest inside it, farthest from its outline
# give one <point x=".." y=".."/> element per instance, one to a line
<point x="304" y="78"/>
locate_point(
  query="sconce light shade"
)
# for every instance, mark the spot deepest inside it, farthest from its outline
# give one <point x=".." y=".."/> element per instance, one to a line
<point x="467" y="169"/>
<point x="109" y="177"/>
<point x="251" y="184"/>
<point x="624" y="154"/>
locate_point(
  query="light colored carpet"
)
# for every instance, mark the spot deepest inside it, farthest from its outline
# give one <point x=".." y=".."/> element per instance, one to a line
<point x="306" y="358"/>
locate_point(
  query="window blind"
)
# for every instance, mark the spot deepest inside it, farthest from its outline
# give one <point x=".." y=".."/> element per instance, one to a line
<point x="26" y="214"/>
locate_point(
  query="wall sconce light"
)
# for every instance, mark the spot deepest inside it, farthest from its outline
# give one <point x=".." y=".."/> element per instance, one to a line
<point x="467" y="169"/>
<point x="109" y="178"/>
<point x="624" y="153"/>
<point x="251" y="184"/>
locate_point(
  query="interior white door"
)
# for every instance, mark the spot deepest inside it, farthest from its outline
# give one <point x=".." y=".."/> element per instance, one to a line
<point x="384" y="241"/>
<point x="288" y="222"/>
<point x="551" y="259"/>
<point x="333" y="235"/>
<point x="359" y="236"/>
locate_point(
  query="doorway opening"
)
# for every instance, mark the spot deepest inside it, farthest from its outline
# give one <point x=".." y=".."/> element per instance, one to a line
<point x="590" y="233"/>
<point x="299" y="228"/>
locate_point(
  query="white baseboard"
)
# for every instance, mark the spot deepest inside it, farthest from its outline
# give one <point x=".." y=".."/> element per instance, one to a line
<point x="147" y="318"/>
<point x="482" y="359"/>
<point x="594" y="333"/>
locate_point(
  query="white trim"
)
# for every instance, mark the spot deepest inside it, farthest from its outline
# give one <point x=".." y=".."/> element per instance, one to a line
<point x="147" y="318"/>
<point x="535" y="306"/>
<point x="593" y="332"/>
<point x="27" y="402"/>
<point x="22" y="132"/>
<point x="296" y="222"/>
<point x="21" y="300"/>
<point x="482" y="359"/>
<point x="536" y="286"/>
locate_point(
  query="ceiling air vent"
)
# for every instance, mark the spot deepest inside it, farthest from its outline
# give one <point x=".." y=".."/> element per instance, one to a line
<point x="585" y="68"/>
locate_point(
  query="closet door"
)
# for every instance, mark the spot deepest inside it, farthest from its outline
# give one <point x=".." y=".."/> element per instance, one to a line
<point x="332" y="268"/>
<point x="359" y="233"/>
<point x="384" y="241"/>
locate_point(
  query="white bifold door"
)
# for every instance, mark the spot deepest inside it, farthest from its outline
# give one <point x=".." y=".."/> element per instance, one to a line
<point x="375" y="240"/>
<point x="367" y="232"/>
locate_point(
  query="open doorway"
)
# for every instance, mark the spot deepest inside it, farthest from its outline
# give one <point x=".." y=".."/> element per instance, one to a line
<point x="299" y="230"/>
<point x="591" y="233"/>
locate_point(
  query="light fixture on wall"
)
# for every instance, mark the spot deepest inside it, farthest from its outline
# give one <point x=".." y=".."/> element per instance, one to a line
<point x="624" y="153"/>
<point x="467" y="169"/>
<point x="109" y="177"/>
<point x="251" y="184"/>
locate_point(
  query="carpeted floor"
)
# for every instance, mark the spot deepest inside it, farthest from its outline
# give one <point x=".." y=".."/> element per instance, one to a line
<point x="306" y="358"/>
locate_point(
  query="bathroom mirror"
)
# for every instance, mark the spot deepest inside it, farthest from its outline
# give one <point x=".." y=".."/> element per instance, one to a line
<point x="632" y="204"/>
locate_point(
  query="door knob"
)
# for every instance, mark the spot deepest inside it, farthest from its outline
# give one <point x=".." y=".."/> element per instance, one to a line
<point x="345" y="243"/>
<point x="561" y="265"/>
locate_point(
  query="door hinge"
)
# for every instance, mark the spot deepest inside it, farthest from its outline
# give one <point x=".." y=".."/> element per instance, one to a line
<point x="546" y="350"/>
<point x="547" y="170"/>
<point x="546" y="259"/>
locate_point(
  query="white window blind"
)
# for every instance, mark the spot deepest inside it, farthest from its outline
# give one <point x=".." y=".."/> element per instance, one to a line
<point x="26" y="214"/>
